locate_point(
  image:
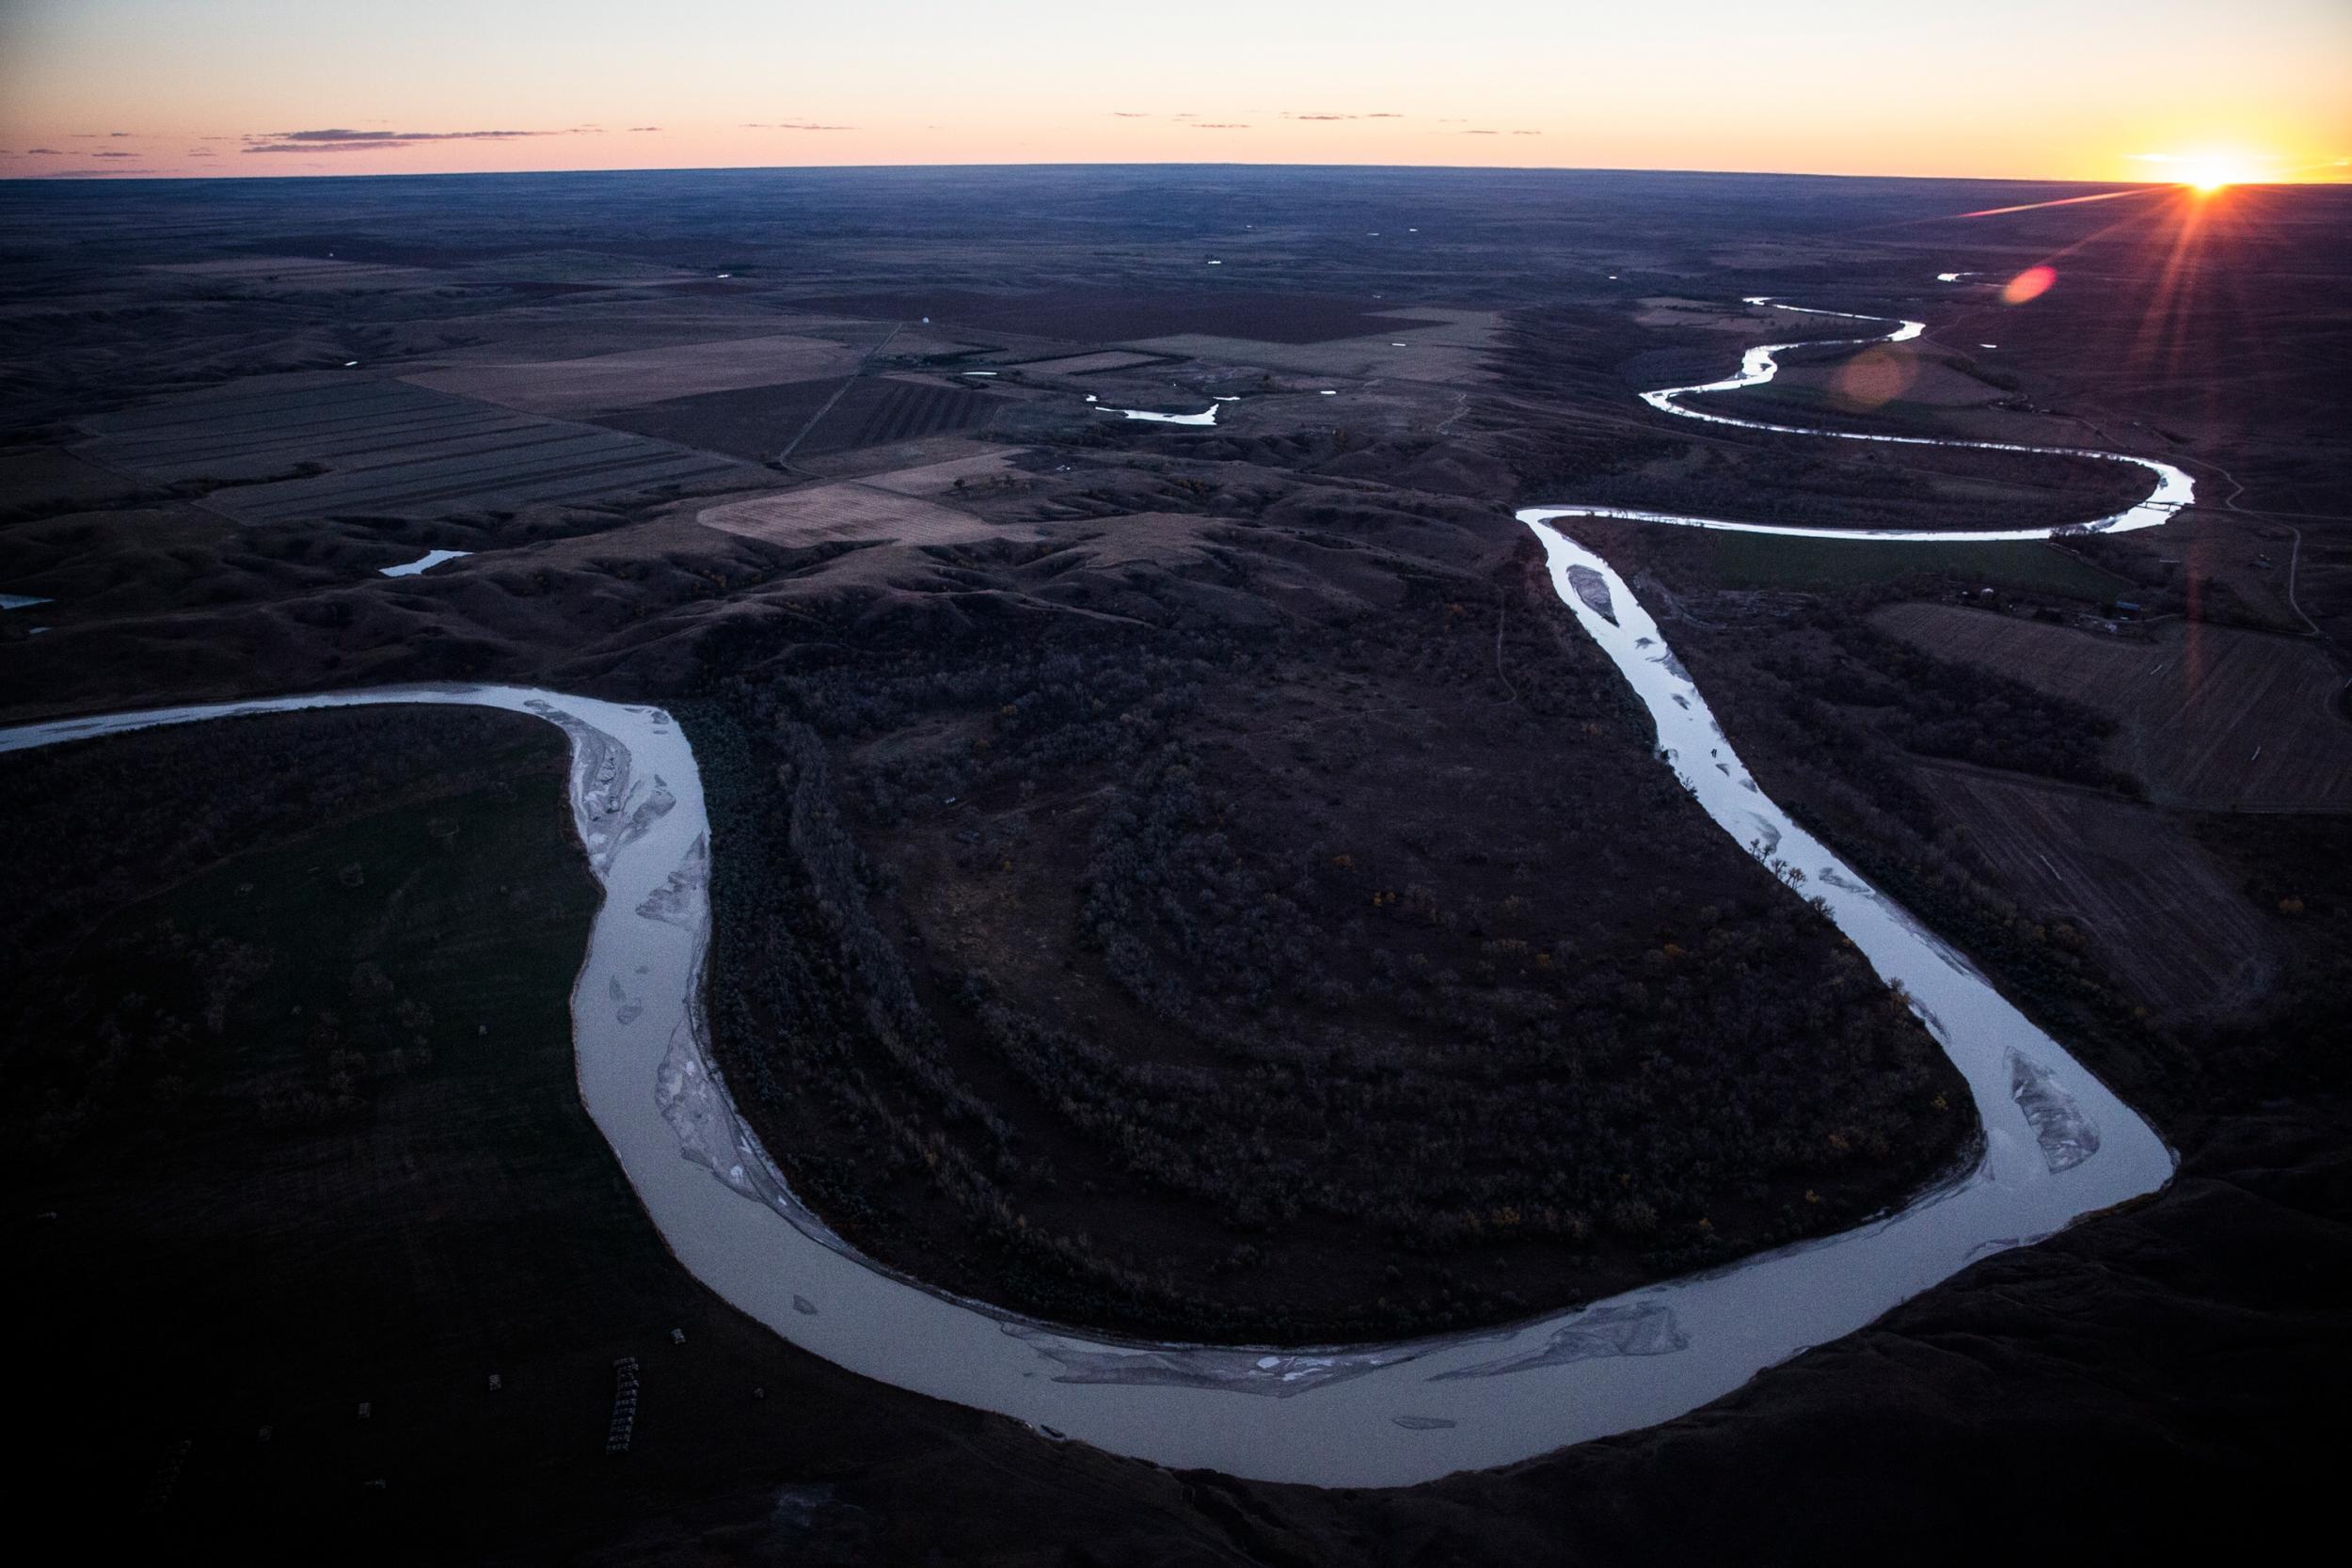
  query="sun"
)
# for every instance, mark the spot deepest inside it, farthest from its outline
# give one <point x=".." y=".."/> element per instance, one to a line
<point x="2208" y="173"/>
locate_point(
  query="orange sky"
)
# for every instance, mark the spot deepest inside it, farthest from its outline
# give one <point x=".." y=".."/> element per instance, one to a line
<point x="2082" y="89"/>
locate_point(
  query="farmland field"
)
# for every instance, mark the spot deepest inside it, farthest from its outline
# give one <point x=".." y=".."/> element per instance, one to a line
<point x="635" y="376"/>
<point x="2209" y="716"/>
<point x="385" y="447"/>
<point x="932" y="479"/>
<point x="1420" y="344"/>
<point x="1114" y="315"/>
<point x="2168" y="923"/>
<point x="1085" y="364"/>
<point x="753" y="422"/>
<point x="1783" y="561"/>
<point x="307" y="273"/>
<point x="880" y="409"/>
<point x="591" y="268"/>
<point x="823" y="513"/>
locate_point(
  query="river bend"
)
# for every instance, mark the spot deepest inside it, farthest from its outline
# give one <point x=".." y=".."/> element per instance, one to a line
<point x="2057" y="1144"/>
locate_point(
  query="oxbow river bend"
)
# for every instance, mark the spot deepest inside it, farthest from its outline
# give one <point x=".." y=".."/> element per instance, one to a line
<point x="2056" y="1145"/>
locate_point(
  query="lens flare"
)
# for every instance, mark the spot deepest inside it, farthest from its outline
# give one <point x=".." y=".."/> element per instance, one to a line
<point x="1874" y="377"/>
<point x="2030" y="284"/>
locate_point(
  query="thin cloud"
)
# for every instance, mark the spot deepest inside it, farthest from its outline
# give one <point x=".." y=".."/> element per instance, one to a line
<point x="338" y="140"/>
<point x="44" y="152"/>
<point x="107" y="154"/>
<point x="1481" y="132"/>
<point x="1378" y="115"/>
<point x="792" y="125"/>
<point x="1218" y="125"/>
<point x="643" y="128"/>
<point x="1527" y="132"/>
<point x="1130" y="114"/>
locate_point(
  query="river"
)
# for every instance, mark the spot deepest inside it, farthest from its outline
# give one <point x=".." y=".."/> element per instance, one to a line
<point x="2056" y="1146"/>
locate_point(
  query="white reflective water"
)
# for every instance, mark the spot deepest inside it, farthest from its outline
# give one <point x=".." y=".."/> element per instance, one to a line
<point x="1207" y="416"/>
<point x="2173" y="489"/>
<point x="2056" y="1146"/>
<point x="425" y="563"/>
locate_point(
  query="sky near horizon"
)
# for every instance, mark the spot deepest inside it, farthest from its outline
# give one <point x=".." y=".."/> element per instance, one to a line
<point x="2056" y="89"/>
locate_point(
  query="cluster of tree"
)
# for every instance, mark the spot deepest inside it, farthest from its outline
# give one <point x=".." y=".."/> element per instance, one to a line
<point x="2167" y="586"/>
<point x="147" y="809"/>
<point x="1556" y="1101"/>
<point x="2290" y="867"/>
<point x="1850" y="676"/>
<point x="1844" y="776"/>
<point x="128" y="996"/>
<point x="1320" y="1042"/>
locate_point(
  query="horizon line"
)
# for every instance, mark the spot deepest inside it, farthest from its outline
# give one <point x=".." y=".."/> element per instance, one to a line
<point x="111" y="177"/>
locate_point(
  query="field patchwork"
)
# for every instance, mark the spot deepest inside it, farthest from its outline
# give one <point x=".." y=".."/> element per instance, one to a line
<point x="2209" y="716"/>
<point x="877" y="410"/>
<point x="1787" y="560"/>
<point x="828" y="514"/>
<point x="1087" y="364"/>
<point x="637" y="377"/>
<point x="2167" y="923"/>
<point x="381" y="448"/>
<point x="1417" y="344"/>
<point x="307" y="275"/>
<point x="933" y="479"/>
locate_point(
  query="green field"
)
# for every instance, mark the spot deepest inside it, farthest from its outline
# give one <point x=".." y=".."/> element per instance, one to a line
<point x="1782" y="561"/>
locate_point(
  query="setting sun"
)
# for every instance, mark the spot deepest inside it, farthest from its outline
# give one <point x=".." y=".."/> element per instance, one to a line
<point x="2211" y="171"/>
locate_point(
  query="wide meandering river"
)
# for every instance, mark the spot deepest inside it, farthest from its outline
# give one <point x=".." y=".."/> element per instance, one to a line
<point x="2057" y="1144"/>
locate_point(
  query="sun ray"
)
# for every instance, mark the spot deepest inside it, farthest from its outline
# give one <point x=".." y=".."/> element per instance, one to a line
<point x="2061" y="201"/>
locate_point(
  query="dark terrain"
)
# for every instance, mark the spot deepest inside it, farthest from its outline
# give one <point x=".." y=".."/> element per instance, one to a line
<point x="1213" y="887"/>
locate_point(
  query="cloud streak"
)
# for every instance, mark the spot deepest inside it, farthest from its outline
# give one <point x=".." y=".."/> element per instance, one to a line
<point x="341" y="140"/>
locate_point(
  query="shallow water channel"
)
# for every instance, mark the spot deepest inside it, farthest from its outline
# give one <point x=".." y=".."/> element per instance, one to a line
<point x="2057" y="1144"/>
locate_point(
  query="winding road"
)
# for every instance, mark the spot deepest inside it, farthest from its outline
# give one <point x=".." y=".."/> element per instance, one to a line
<point x="2056" y="1145"/>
